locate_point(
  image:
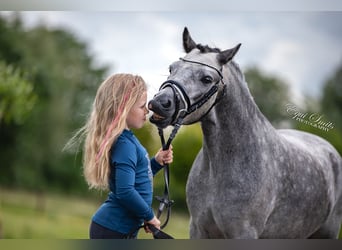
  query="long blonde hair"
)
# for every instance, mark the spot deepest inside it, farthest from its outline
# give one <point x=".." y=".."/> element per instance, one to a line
<point x="114" y="99"/>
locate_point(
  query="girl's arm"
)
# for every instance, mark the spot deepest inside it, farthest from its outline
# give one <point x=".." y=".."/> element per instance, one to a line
<point x="124" y="159"/>
<point x="128" y="195"/>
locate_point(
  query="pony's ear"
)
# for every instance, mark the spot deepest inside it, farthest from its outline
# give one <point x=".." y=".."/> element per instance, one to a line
<point x="188" y="43"/>
<point x="225" y="56"/>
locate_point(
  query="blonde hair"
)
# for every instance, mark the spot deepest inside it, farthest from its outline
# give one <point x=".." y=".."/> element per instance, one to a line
<point x="114" y="99"/>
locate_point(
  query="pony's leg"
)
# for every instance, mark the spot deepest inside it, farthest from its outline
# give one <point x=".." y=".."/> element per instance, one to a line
<point x="246" y="233"/>
<point x="331" y="228"/>
<point x="327" y="231"/>
<point x="196" y="232"/>
<point x="237" y="229"/>
<point x="204" y="228"/>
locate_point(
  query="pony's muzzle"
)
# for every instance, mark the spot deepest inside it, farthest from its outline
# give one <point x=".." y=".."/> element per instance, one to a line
<point x="163" y="110"/>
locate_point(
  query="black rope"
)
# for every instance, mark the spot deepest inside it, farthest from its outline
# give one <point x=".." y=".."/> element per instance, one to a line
<point x="165" y="201"/>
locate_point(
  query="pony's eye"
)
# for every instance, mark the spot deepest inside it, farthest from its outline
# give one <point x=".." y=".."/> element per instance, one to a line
<point x="207" y="79"/>
<point x="170" y="69"/>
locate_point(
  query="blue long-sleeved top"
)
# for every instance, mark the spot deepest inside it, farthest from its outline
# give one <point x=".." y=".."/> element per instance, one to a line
<point x="131" y="186"/>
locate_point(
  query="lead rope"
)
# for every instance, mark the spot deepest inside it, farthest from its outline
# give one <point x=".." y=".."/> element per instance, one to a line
<point x="165" y="201"/>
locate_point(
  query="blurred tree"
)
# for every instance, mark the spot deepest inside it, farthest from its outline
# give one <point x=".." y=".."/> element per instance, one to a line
<point x="16" y="103"/>
<point x="11" y="33"/>
<point x="331" y="101"/>
<point x="10" y="57"/>
<point x="65" y="81"/>
<point x="270" y="93"/>
<point x="330" y="109"/>
<point x="186" y="145"/>
<point x="148" y="136"/>
<point x="16" y="96"/>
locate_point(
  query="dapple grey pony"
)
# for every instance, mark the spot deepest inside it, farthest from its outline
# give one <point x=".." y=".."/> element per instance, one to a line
<point x="249" y="180"/>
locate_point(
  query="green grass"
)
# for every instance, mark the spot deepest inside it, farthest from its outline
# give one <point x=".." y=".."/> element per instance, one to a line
<point x="25" y="215"/>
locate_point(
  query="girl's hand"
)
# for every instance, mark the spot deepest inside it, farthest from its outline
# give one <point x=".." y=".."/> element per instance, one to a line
<point x="164" y="157"/>
<point x="155" y="222"/>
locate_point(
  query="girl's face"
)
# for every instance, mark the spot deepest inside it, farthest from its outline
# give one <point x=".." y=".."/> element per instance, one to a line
<point x="137" y="115"/>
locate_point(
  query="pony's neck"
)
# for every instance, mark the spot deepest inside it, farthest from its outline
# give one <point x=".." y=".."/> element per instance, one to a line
<point x="235" y="120"/>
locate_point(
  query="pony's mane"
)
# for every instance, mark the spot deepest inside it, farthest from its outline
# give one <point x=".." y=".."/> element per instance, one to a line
<point x="207" y="49"/>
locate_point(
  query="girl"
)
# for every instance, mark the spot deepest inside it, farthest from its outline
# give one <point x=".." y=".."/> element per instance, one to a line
<point x="114" y="159"/>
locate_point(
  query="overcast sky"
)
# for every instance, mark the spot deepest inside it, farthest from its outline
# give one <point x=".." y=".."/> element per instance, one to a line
<point x="302" y="48"/>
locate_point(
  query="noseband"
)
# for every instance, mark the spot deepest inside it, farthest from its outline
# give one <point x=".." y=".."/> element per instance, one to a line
<point x="180" y="95"/>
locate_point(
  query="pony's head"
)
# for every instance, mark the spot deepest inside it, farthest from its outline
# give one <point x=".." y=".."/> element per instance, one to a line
<point x="193" y="86"/>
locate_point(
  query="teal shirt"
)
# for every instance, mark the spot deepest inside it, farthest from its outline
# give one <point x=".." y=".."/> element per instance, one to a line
<point x="131" y="186"/>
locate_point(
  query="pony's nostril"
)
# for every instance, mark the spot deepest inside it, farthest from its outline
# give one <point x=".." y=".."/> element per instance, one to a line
<point x="166" y="104"/>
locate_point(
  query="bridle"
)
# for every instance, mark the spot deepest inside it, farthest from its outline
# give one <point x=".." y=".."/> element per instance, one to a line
<point x="180" y="95"/>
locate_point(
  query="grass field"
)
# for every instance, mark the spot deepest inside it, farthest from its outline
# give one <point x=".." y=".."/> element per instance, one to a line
<point x="25" y="215"/>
